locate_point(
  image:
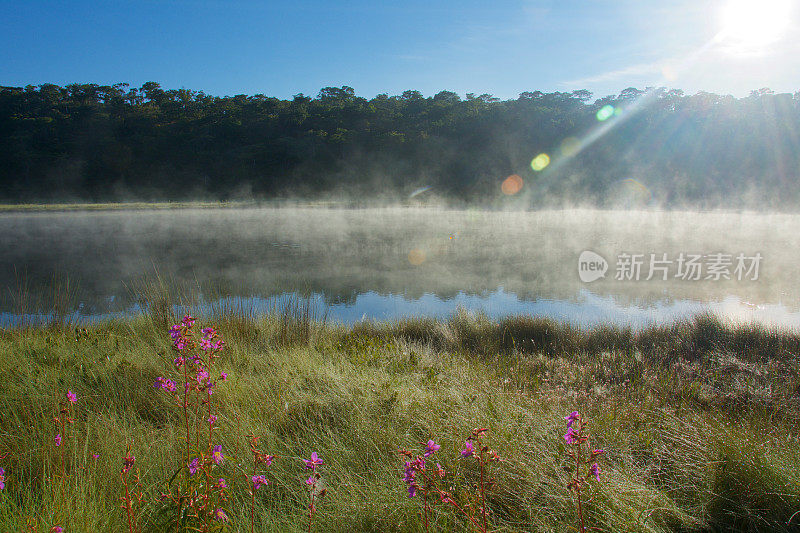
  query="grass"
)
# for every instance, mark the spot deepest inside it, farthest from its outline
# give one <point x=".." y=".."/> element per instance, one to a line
<point x="699" y="421"/>
<point x="160" y="204"/>
<point x="89" y="206"/>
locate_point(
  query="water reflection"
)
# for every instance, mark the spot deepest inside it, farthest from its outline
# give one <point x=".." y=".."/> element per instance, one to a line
<point x="585" y="310"/>
<point x="384" y="263"/>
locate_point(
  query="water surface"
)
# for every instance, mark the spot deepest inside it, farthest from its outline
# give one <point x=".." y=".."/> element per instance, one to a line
<point x="386" y="263"/>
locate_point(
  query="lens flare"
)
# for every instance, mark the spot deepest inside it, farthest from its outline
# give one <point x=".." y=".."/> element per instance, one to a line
<point x="512" y="185"/>
<point x="570" y="146"/>
<point x="631" y="193"/>
<point x="605" y="113"/>
<point x="419" y="191"/>
<point x="540" y="162"/>
<point x="416" y="257"/>
<point x="669" y="73"/>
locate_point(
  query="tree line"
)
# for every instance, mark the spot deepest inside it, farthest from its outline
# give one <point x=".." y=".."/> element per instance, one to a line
<point x="653" y="146"/>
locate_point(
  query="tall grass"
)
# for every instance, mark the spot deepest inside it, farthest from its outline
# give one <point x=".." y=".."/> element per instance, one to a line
<point x="687" y="340"/>
<point x="698" y="421"/>
<point x="53" y="304"/>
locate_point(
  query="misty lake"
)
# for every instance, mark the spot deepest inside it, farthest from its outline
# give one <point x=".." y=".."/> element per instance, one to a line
<point x="388" y="263"/>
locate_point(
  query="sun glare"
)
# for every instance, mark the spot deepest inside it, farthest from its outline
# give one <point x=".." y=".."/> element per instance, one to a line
<point x="750" y="27"/>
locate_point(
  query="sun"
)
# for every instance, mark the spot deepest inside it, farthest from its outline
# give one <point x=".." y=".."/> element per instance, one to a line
<point x="750" y="27"/>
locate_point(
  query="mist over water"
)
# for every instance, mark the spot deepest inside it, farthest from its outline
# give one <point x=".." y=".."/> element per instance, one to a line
<point x="390" y="262"/>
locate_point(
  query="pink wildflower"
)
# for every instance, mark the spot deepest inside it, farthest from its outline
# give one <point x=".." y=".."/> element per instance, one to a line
<point x="2" y="478"/>
<point x="220" y="515"/>
<point x="217" y="456"/>
<point x="71" y="396"/>
<point x="410" y="477"/>
<point x="166" y="384"/>
<point x="572" y="436"/>
<point x="56" y="529"/>
<point x="58" y="439"/>
<point x="312" y="463"/>
<point x="595" y="471"/>
<point x="212" y="419"/>
<point x="572" y="418"/>
<point x="193" y="467"/>
<point x="431" y="448"/>
<point x="468" y="450"/>
<point x="264" y="458"/>
<point x="258" y="482"/>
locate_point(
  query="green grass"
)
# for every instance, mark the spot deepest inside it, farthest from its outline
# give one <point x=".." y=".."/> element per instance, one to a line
<point x="699" y="421"/>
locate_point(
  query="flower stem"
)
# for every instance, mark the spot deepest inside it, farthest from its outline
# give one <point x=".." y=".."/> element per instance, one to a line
<point x="578" y="486"/>
<point x="311" y="510"/>
<point x="483" y="490"/>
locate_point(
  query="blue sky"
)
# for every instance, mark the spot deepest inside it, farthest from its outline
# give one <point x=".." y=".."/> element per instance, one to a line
<point x="501" y="47"/>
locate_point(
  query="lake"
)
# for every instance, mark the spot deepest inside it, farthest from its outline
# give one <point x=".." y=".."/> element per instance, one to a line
<point x="387" y="263"/>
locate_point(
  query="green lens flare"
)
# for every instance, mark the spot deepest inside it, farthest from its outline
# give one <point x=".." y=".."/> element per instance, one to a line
<point x="540" y="162"/>
<point x="605" y="112"/>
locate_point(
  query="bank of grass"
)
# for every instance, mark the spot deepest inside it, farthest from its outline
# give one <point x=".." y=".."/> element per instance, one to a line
<point x="699" y="421"/>
<point x="160" y="205"/>
<point x="108" y="206"/>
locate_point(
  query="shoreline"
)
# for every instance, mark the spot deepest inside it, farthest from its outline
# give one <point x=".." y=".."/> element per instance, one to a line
<point x="695" y="337"/>
<point x="11" y="208"/>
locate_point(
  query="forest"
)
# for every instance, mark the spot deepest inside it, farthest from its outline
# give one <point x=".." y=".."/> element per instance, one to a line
<point x="653" y="146"/>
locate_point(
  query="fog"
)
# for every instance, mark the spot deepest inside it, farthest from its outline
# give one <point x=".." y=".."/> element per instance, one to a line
<point x="387" y="262"/>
